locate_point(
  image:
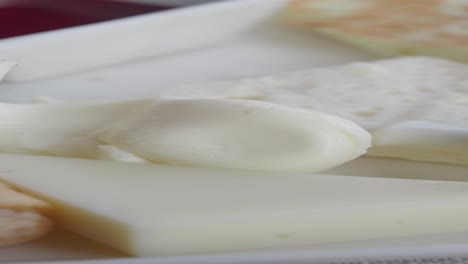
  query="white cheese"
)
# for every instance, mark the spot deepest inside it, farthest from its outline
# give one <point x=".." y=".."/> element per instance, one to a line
<point x="153" y="210"/>
<point x="226" y="133"/>
<point x="416" y="140"/>
<point x="376" y="95"/>
<point x="381" y="96"/>
<point x="107" y="152"/>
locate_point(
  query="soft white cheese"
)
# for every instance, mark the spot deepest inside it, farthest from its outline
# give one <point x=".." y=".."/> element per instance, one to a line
<point x="107" y="152"/>
<point x="418" y="140"/>
<point x="226" y="133"/>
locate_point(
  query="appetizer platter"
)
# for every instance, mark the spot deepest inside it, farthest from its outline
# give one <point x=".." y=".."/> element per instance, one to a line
<point x="254" y="142"/>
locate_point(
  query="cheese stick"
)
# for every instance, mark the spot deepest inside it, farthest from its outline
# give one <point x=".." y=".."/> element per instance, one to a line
<point x="155" y="210"/>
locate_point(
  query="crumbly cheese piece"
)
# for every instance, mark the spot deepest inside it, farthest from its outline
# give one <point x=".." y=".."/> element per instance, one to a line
<point x="371" y="94"/>
<point x="154" y="210"/>
<point x="226" y="133"/>
<point x="22" y="217"/>
<point x="376" y="95"/>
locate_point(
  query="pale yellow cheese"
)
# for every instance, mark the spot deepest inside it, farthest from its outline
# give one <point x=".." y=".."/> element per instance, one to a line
<point x="152" y="210"/>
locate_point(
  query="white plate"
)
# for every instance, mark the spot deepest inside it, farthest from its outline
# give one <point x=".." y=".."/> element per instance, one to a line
<point x="257" y="45"/>
<point x="69" y="50"/>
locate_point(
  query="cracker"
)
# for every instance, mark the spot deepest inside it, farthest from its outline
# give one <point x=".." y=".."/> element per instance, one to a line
<point x="22" y="217"/>
<point x="388" y="27"/>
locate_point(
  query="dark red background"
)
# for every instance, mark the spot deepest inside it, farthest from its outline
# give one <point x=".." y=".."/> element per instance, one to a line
<point x="20" y="17"/>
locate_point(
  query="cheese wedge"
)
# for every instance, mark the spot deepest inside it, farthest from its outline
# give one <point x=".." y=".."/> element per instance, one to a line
<point x="22" y="217"/>
<point x="153" y="210"/>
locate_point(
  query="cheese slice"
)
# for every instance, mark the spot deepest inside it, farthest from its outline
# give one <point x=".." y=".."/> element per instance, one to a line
<point x="153" y="210"/>
<point x="223" y="133"/>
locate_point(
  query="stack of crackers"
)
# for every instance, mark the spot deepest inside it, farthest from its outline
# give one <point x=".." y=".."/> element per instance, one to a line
<point x="22" y="217"/>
